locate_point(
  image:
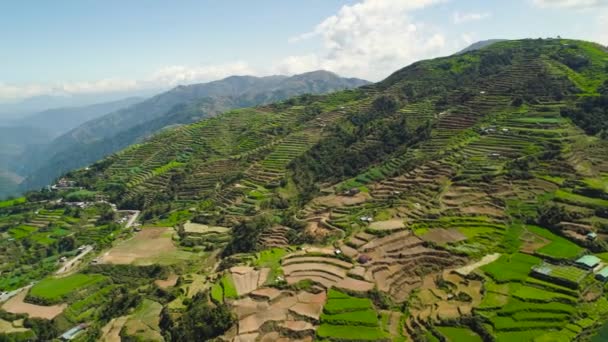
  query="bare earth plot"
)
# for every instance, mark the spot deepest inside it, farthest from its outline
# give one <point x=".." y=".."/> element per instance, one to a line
<point x="443" y="236"/>
<point x="7" y="327"/>
<point x="111" y="331"/>
<point x="198" y="228"/>
<point x="150" y="246"/>
<point x="388" y="225"/>
<point x="169" y="282"/>
<point x="17" y="305"/>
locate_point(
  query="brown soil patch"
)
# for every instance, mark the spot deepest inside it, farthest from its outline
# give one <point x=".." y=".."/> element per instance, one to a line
<point x="484" y="210"/>
<point x="246" y="337"/>
<point x="341" y="201"/>
<point x="197" y="228"/>
<point x="169" y="282"/>
<point x="297" y="326"/>
<point x="253" y="323"/>
<point x="356" y="285"/>
<point x="532" y="242"/>
<point x="443" y="236"/>
<point x="247" y="279"/>
<point x="147" y="244"/>
<point x="17" y="305"/>
<point x="268" y="293"/>
<point x="322" y="260"/>
<point x="111" y="331"/>
<point x="393" y="224"/>
<point x="309" y="310"/>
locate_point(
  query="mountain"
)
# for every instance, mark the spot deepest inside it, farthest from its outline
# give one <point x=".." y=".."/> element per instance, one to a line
<point x="60" y="120"/>
<point x="10" y="111"/>
<point x="20" y="138"/>
<point x="183" y="104"/>
<point x="462" y="198"/>
<point x="479" y="45"/>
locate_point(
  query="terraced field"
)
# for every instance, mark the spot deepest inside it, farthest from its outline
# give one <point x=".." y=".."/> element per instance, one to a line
<point x="451" y="201"/>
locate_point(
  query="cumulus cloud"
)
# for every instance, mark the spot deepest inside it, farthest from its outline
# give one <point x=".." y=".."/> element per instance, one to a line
<point x="369" y="39"/>
<point x="460" y="18"/>
<point x="580" y="4"/>
<point x="602" y="36"/>
<point x="169" y="76"/>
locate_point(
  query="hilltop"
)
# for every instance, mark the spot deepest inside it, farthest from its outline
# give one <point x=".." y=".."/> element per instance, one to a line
<point x="452" y="200"/>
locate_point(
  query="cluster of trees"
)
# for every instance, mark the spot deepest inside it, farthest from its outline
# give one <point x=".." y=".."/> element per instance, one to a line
<point x="200" y="321"/>
<point x="591" y="113"/>
<point x="376" y="133"/>
<point x="245" y="235"/>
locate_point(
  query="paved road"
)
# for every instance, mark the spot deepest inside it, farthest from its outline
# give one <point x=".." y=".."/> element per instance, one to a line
<point x="68" y="265"/>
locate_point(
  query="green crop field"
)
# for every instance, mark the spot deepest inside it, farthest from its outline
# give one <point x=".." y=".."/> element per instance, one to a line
<point x="55" y="289"/>
<point x="559" y="247"/>
<point x="228" y="287"/>
<point x="536" y="294"/>
<point x="366" y="317"/>
<point x="339" y="305"/>
<point x="514" y="267"/>
<point x="456" y="334"/>
<point x="12" y="202"/>
<point x="344" y="332"/>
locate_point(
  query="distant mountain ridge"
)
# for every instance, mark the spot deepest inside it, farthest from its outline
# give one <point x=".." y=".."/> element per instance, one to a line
<point x="183" y="104"/>
<point x="60" y="120"/>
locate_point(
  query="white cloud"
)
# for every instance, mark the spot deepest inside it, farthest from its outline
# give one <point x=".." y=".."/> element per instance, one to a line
<point x="460" y="18"/>
<point x="369" y="39"/>
<point x="580" y="4"/>
<point x="165" y="77"/>
<point x="602" y="23"/>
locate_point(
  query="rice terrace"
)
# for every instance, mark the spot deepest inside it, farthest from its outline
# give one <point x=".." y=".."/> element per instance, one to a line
<point x="461" y="198"/>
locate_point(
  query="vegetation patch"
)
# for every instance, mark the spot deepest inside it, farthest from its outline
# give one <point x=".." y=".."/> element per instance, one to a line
<point x="54" y="290"/>
<point x="457" y="334"/>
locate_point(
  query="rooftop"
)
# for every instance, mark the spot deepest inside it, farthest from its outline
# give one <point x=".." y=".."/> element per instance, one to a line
<point x="588" y="260"/>
<point x="603" y="272"/>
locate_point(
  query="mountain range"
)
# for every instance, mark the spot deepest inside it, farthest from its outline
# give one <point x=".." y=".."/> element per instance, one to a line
<point x="109" y="133"/>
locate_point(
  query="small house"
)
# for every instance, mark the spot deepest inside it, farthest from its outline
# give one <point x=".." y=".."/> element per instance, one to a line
<point x="591" y="236"/>
<point x="351" y="192"/>
<point x="602" y="275"/>
<point x="72" y="333"/>
<point x="588" y="262"/>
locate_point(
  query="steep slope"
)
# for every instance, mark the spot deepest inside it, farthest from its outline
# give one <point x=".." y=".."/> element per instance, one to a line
<point x="450" y="201"/>
<point x="184" y="104"/>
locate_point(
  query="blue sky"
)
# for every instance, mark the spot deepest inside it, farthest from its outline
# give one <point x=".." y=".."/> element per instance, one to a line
<point x="87" y="46"/>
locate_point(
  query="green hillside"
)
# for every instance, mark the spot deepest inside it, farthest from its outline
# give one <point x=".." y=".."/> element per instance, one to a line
<point x="102" y="136"/>
<point x="450" y="201"/>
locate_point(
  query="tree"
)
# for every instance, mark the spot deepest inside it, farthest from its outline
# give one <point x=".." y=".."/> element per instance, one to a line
<point x="67" y="243"/>
<point x="385" y="104"/>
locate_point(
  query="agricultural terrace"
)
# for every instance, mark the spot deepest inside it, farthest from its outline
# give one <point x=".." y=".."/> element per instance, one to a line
<point x="350" y="318"/>
<point x="41" y="236"/>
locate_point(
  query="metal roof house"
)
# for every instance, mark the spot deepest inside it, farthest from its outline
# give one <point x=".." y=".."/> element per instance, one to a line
<point x="588" y="261"/>
<point x="72" y="333"/>
<point x="602" y="274"/>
